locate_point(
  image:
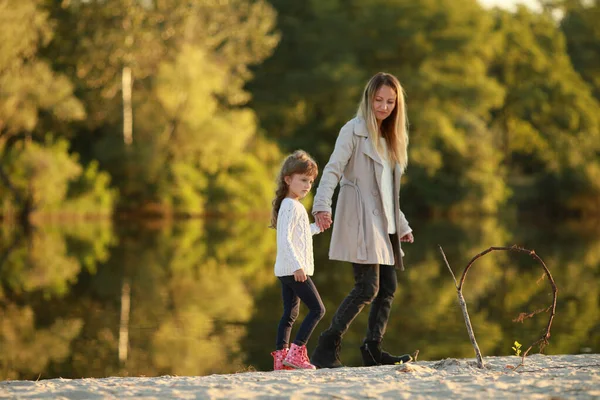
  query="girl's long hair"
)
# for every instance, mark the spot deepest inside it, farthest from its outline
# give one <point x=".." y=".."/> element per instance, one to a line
<point x="394" y="128"/>
<point x="299" y="162"/>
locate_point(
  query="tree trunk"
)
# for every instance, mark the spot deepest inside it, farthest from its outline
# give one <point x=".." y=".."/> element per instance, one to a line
<point x="124" y="321"/>
<point x="126" y="82"/>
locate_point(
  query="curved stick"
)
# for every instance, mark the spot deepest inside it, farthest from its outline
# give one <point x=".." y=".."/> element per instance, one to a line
<point x="543" y="341"/>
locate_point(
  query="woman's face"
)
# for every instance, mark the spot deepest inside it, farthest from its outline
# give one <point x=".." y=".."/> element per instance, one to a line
<point x="384" y="102"/>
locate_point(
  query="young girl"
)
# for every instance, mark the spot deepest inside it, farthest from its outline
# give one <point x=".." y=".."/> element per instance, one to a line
<point x="294" y="263"/>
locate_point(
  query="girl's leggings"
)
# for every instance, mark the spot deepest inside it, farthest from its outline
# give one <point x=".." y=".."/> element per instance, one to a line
<point x="292" y="292"/>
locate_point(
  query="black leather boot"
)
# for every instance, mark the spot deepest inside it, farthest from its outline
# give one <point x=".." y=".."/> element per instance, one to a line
<point x="373" y="355"/>
<point x="327" y="352"/>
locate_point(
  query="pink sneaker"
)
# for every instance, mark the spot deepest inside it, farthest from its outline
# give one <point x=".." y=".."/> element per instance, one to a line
<point x="278" y="357"/>
<point x="298" y="358"/>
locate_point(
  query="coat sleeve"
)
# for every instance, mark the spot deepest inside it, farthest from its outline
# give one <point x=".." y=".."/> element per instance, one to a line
<point x="332" y="173"/>
<point x="404" y="228"/>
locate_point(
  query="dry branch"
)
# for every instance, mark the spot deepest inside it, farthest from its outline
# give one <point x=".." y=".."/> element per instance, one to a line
<point x="543" y="341"/>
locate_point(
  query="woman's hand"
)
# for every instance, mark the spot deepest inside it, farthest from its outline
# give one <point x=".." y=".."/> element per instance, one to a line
<point x="323" y="220"/>
<point x="409" y="238"/>
<point x="299" y="275"/>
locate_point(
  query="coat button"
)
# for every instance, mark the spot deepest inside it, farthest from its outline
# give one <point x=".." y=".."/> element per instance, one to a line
<point x="375" y="193"/>
<point x="376" y="213"/>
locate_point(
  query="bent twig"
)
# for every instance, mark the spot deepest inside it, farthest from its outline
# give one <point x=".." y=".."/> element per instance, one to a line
<point x="543" y="341"/>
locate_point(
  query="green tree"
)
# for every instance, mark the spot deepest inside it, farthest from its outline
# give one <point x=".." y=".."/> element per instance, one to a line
<point x="439" y="50"/>
<point x="29" y="84"/>
<point x="34" y="98"/>
<point x="548" y="123"/>
<point x="311" y="84"/>
<point x="583" y="39"/>
<point x="192" y="294"/>
<point x="54" y="181"/>
<point x="27" y="350"/>
<point x="38" y="270"/>
<point x="189" y="62"/>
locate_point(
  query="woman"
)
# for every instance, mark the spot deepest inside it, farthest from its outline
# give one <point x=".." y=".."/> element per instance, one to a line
<point x="368" y="160"/>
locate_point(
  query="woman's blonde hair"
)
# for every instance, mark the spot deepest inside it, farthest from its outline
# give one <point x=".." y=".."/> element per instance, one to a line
<point x="299" y="162"/>
<point x="394" y="128"/>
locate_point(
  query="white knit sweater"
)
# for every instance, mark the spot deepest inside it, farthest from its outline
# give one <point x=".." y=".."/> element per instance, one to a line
<point x="294" y="239"/>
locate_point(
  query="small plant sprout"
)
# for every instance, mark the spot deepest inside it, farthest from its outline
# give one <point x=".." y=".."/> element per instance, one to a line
<point x="517" y="348"/>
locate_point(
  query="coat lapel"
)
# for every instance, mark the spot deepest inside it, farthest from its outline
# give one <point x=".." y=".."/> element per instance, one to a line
<point x="397" y="177"/>
<point x="378" y="164"/>
<point x="360" y="129"/>
<point x="370" y="151"/>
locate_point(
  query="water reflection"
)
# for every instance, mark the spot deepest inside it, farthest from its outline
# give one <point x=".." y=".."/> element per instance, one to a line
<point x="198" y="297"/>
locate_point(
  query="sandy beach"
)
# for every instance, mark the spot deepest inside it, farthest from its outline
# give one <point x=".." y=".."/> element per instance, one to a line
<point x="541" y="377"/>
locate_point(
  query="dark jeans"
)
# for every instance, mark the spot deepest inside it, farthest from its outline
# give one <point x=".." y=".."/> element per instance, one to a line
<point x="373" y="283"/>
<point x="292" y="292"/>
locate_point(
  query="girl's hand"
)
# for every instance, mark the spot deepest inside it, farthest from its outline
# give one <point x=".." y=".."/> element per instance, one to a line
<point x="323" y="220"/>
<point x="299" y="275"/>
<point x="408" y="238"/>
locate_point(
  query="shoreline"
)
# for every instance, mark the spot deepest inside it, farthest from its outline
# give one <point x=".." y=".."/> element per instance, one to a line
<point x="541" y="377"/>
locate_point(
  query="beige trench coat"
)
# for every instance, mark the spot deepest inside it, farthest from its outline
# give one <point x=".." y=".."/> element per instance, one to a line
<point x="360" y="228"/>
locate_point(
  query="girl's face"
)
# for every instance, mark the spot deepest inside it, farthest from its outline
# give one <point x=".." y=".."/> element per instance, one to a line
<point x="384" y="102"/>
<point x="298" y="185"/>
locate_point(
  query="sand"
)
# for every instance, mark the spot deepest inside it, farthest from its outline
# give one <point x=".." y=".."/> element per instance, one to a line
<point x="541" y="377"/>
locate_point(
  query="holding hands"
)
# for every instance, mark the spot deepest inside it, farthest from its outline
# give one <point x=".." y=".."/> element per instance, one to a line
<point x="323" y="220"/>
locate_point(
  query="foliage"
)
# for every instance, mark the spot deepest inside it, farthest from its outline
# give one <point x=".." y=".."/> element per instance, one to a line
<point x="190" y="62"/>
<point x="29" y="86"/>
<point x="495" y="106"/>
<point x="202" y="302"/>
<point x="503" y="115"/>
<point x="549" y="125"/>
<point x="453" y="163"/>
<point x="502" y="105"/>
<point x="582" y="36"/>
<point x="44" y="265"/>
<point x="34" y="98"/>
<point x="55" y="181"/>
<point x="517" y="348"/>
<point x="27" y="350"/>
